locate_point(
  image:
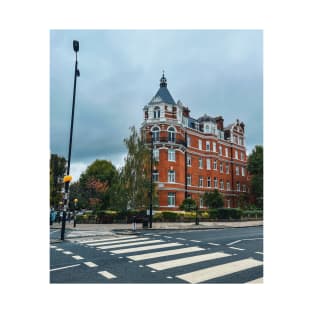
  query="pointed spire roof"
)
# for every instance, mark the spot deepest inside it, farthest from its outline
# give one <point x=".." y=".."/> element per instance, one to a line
<point x="163" y="95"/>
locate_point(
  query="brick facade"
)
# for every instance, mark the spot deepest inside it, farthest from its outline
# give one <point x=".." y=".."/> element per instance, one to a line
<point x="193" y="156"/>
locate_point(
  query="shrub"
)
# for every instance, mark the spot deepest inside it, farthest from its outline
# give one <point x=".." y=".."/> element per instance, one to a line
<point x="169" y="216"/>
<point x="229" y="213"/>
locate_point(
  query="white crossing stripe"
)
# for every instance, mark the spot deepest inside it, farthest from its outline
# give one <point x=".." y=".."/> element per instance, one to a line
<point x="213" y="244"/>
<point x="116" y="241"/>
<point x="256" y="281"/>
<point x="180" y="238"/>
<point x="130" y="244"/>
<point x="153" y="255"/>
<point x="235" y="248"/>
<point x="67" y="252"/>
<point x="153" y="247"/>
<point x="90" y="264"/>
<point x="105" y="239"/>
<point x="59" y="249"/>
<point x="107" y="274"/>
<point x="64" y="267"/>
<point x="186" y="261"/>
<point x="53" y="246"/>
<point x="259" y="252"/>
<point x="195" y="240"/>
<point x="77" y="257"/>
<point x="219" y="270"/>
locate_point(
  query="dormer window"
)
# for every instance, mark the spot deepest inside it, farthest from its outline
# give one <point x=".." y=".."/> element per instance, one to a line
<point x="156" y="112"/>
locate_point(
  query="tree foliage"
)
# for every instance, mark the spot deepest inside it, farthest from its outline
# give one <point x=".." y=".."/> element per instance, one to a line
<point x="255" y="168"/>
<point x="213" y="199"/>
<point x="189" y="205"/>
<point x="57" y="171"/>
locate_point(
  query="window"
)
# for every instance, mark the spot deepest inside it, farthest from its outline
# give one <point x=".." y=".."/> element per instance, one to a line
<point x="189" y="180"/>
<point x="213" y="130"/>
<point x="171" y="155"/>
<point x="222" y="185"/>
<point x="171" y="134"/>
<point x="156" y="154"/>
<point x="227" y="168"/>
<point x="228" y="186"/>
<point x="235" y="139"/>
<point x="214" y="146"/>
<point x="171" y="176"/>
<point x="228" y="203"/>
<point x="188" y="160"/>
<point x="215" y="183"/>
<point x="242" y="171"/>
<point x="215" y="165"/>
<point x="201" y="202"/>
<point x="226" y="152"/>
<point x="188" y="141"/>
<point x="200" y="162"/>
<point x="171" y="198"/>
<point x="244" y="189"/>
<point x="200" y="181"/>
<point x="236" y="154"/>
<point x="209" y="182"/>
<point x="155" y="134"/>
<point x="238" y="186"/>
<point x="237" y="170"/>
<point x="156" y="112"/>
<point x="200" y="144"/>
<point x="220" y="150"/>
<point x="221" y="167"/>
<point x="207" y="146"/>
<point x="207" y="128"/>
<point x="155" y="176"/>
<point x="208" y="164"/>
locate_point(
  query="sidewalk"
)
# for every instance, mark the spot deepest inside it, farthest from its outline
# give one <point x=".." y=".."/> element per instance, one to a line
<point x="157" y="226"/>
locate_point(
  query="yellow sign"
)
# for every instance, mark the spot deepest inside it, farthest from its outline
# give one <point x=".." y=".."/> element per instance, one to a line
<point x="67" y="179"/>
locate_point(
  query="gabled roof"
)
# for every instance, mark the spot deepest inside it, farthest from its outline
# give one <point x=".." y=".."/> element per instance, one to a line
<point x="163" y="95"/>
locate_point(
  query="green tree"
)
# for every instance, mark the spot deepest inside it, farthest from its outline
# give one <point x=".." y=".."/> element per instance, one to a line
<point x="190" y="205"/>
<point x="213" y="199"/>
<point x="95" y="184"/>
<point x="57" y="171"/>
<point x="135" y="175"/>
<point x="255" y="169"/>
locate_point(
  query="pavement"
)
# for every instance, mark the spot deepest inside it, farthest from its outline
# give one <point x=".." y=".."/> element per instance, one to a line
<point x="156" y="226"/>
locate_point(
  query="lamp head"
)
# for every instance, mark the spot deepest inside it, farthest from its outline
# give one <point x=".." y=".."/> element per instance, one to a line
<point x="75" y="45"/>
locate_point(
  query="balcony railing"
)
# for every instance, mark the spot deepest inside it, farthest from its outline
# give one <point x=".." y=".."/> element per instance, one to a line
<point x="166" y="139"/>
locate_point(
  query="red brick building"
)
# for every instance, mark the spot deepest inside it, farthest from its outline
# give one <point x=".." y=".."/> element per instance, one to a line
<point x="192" y="156"/>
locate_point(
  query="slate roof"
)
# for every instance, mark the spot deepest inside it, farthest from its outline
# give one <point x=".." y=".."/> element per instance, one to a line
<point x="163" y="95"/>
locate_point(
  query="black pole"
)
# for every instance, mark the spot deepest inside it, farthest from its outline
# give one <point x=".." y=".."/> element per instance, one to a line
<point x="151" y="182"/>
<point x="186" y="174"/>
<point x="67" y="184"/>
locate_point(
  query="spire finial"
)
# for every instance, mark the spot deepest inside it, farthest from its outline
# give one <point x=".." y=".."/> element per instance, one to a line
<point x="163" y="81"/>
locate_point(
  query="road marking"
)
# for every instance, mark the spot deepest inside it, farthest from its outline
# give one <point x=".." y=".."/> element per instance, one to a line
<point x="153" y="255"/>
<point x="53" y="246"/>
<point x="160" y="266"/>
<point x="116" y="241"/>
<point x="256" y="281"/>
<point x="107" y="274"/>
<point x="156" y="235"/>
<point x="59" y="249"/>
<point x="219" y="270"/>
<point x="90" y="264"/>
<point x="62" y="268"/>
<point x="235" y="248"/>
<point x="195" y="240"/>
<point x="167" y="236"/>
<point x="169" y="277"/>
<point x="77" y="257"/>
<point x="130" y="244"/>
<point x="67" y="252"/>
<point x="259" y="252"/>
<point x="213" y="244"/>
<point x="153" y="247"/>
<point x="180" y="238"/>
<point x="105" y="239"/>
<point x="232" y="243"/>
<point x="54" y="231"/>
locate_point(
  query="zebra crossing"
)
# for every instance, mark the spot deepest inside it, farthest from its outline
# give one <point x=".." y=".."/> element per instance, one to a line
<point x="177" y="256"/>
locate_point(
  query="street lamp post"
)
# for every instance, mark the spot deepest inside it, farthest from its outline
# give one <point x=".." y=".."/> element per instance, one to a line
<point x="68" y="178"/>
<point x="75" y="203"/>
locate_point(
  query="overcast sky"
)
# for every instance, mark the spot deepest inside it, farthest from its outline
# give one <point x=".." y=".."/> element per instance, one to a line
<point x="213" y="72"/>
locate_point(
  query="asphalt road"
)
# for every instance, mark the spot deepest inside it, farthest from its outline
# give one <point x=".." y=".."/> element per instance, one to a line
<point x="230" y="255"/>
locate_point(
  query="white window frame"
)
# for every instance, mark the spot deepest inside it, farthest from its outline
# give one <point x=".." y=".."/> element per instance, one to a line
<point x="238" y="186"/>
<point x="209" y="182"/>
<point x="155" y="133"/>
<point x="189" y="179"/>
<point x="201" y="202"/>
<point x="221" y="167"/>
<point x="244" y="189"/>
<point x="200" y="162"/>
<point x="156" y="154"/>
<point x="215" y="165"/>
<point x="188" y="141"/>
<point x="228" y="186"/>
<point x="227" y="168"/>
<point x="220" y="150"/>
<point x="200" y="144"/>
<point x="221" y="184"/>
<point x="171" y="134"/>
<point x="207" y="145"/>
<point x="156" y="112"/>
<point x="171" y="176"/>
<point x="189" y="160"/>
<point x="215" y="183"/>
<point x="200" y="181"/>
<point x="208" y="164"/>
<point x="237" y="170"/>
<point x="171" y="155"/>
<point x="214" y="146"/>
<point x="171" y="199"/>
<point x="226" y="152"/>
<point x="228" y="203"/>
<point x="236" y="154"/>
<point x="242" y="171"/>
<point x="241" y="156"/>
<point x="155" y="176"/>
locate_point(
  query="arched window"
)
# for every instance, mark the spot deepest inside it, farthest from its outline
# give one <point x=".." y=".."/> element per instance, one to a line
<point x="156" y="112"/>
<point x="171" y="134"/>
<point x="155" y="133"/>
